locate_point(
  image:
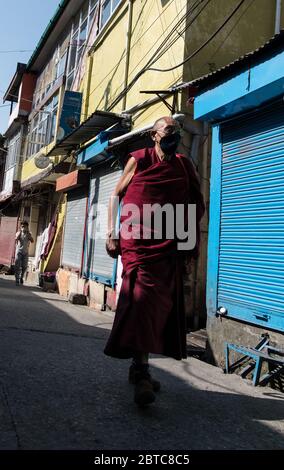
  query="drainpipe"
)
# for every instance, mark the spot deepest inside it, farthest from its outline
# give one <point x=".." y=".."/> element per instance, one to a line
<point x="127" y="49"/>
<point x="195" y="129"/>
<point x="277" y="17"/>
<point x="88" y="86"/>
<point x="147" y="127"/>
<point x="200" y="264"/>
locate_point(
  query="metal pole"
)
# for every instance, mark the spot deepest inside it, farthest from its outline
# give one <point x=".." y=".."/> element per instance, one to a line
<point x="277" y="17"/>
<point x="127" y="50"/>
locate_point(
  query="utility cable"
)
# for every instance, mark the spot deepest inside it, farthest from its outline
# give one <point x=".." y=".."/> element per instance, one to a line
<point x="202" y="45"/>
<point x="159" y="51"/>
<point x="22" y="50"/>
<point x="183" y="62"/>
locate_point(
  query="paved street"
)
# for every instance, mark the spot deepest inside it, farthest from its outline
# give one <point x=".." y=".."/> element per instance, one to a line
<point x="59" y="391"/>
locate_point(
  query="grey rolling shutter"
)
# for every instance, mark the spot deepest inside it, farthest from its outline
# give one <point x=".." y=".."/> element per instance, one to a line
<point x="98" y="264"/>
<point x="74" y="229"/>
<point x="251" y="252"/>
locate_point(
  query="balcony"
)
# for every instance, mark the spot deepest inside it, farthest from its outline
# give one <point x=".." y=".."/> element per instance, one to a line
<point x="35" y="170"/>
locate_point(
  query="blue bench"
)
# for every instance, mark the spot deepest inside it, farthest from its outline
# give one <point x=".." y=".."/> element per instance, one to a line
<point x="259" y="354"/>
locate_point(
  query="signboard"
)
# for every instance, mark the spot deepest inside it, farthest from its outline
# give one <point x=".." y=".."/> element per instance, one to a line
<point x="70" y="114"/>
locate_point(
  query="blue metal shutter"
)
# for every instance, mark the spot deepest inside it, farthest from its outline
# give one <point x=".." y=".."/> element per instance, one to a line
<point x="74" y="229"/>
<point x="98" y="264"/>
<point x="251" y="251"/>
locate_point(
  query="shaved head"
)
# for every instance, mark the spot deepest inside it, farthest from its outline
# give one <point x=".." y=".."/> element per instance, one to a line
<point x="168" y="120"/>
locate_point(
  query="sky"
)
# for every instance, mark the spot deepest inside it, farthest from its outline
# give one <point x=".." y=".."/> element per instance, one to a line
<point x="22" y="23"/>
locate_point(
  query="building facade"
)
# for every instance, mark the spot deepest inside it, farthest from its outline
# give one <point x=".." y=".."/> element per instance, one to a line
<point x="245" y="283"/>
<point x="128" y="61"/>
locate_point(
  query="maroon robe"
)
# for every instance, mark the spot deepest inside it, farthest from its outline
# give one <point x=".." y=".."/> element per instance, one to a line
<point x="150" y="314"/>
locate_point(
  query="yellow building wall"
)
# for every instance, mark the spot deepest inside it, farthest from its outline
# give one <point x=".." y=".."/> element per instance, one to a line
<point x="106" y="72"/>
<point x="29" y="169"/>
<point x="251" y="26"/>
<point x="151" y="23"/>
<point x="188" y="28"/>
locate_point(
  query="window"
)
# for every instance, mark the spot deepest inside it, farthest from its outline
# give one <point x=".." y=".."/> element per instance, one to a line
<point x="43" y="127"/>
<point x="85" y="11"/>
<point x="108" y="7"/>
<point x="83" y="33"/>
<point x="70" y="80"/>
<point x="106" y="12"/>
<point x="54" y="69"/>
<point x="73" y="51"/>
<point x="60" y="66"/>
<point x="81" y="28"/>
<point x="14" y="149"/>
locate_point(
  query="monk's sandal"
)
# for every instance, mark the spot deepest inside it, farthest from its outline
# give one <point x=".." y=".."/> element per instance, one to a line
<point x="135" y="373"/>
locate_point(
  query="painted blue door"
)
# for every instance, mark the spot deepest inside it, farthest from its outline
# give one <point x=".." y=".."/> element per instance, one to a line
<point x="247" y="218"/>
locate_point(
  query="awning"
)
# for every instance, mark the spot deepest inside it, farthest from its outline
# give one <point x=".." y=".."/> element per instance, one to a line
<point x="13" y="89"/>
<point x="73" y="180"/>
<point x="4" y="196"/>
<point x="50" y="173"/>
<point x="137" y="138"/>
<point x="102" y="149"/>
<point x="105" y="146"/>
<point x="97" y="122"/>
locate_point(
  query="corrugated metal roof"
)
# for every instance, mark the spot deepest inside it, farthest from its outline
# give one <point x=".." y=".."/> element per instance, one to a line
<point x="272" y="45"/>
<point x="97" y="122"/>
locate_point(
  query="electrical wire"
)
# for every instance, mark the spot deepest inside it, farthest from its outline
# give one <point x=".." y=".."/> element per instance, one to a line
<point x="21" y="50"/>
<point x="162" y="49"/>
<point x="149" y="68"/>
<point x="195" y="5"/>
<point x="163" y="44"/>
<point x="202" y="45"/>
<point x="146" y="68"/>
<point x="134" y="44"/>
<point x="180" y="33"/>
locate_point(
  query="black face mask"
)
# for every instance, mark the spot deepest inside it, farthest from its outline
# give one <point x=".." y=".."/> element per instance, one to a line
<point x="169" y="143"/>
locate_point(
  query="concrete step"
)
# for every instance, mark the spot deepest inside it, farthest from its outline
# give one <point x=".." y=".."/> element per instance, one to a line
<point x="196" y="343"/>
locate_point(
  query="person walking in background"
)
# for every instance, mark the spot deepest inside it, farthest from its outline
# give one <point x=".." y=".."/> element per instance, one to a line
<point x="23" y="240"/>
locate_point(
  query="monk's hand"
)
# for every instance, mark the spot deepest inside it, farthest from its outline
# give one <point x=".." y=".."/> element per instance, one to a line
<point x="112" y="246"/>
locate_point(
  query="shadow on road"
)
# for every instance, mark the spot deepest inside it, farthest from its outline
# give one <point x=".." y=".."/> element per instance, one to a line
<point x="59" y="391"/>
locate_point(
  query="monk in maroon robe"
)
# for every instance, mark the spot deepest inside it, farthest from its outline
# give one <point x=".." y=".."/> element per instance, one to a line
<point x="150" y="315"/>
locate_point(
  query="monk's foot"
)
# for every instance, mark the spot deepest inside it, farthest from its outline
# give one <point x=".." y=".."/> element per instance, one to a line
<point x="135" y="374"/>
<point x="144" y="393"/>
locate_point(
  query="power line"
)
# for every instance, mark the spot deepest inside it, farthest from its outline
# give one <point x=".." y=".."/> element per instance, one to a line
<point x="161" y="49"/>
<point x="180" y="33"/>
<point x="147" y="68"/>
<point x="20" y="50"/>
<point x="134" y="44"/>
<point x="202" y="45"/>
